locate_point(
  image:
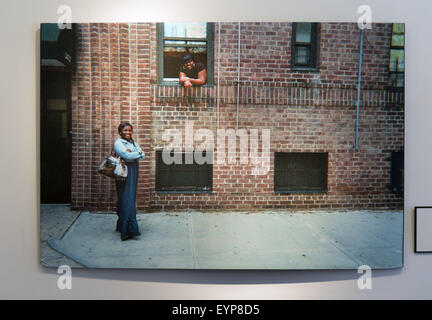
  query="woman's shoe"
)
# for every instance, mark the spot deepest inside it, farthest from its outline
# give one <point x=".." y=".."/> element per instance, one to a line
<point x="124" y="238"/>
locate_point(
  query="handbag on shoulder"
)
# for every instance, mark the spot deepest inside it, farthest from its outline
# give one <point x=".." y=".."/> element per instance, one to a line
<point x="114" y="167"/>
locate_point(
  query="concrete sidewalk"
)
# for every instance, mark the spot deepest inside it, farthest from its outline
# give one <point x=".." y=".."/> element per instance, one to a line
<point x="234" y="240"/>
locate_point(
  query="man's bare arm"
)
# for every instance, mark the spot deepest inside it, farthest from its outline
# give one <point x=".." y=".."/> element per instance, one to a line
<point x="202" y="78"/>
<point x="183" y="78"/>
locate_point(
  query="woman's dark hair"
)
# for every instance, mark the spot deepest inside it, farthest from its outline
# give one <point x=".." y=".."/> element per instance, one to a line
<point x="123" y="125"/>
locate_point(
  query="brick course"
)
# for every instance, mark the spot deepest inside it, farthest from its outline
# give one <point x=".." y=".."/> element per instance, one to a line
<point x="313" y="111"/>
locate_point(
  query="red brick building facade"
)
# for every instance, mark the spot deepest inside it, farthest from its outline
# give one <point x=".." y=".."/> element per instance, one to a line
<point x="307" y="111"/>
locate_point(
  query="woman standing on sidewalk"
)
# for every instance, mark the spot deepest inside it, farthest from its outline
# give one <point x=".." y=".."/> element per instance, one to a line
<point x="129" y="150"/>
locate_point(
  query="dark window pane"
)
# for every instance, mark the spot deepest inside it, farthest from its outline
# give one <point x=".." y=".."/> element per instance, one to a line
<point x="302" y="55"/>
<point x="400" y="80"/>
<point x="393" y="80"/>
<point x="397" y="171"/>
<point x="182" y="177"/>
<point x="300" y="172"/>
<point x="173" y="58"/>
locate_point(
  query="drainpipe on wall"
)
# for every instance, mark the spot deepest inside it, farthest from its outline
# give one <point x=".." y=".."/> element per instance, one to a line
<point x="358" y="91"/>
<point x="218" y="75"/>
<point x="238" y="76"/>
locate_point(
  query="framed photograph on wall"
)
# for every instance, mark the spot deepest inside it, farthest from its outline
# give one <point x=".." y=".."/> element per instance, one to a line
<point x="260" y="145"/>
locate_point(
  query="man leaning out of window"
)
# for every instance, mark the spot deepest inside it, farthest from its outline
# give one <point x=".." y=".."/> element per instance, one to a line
<point x="192" y="73"/>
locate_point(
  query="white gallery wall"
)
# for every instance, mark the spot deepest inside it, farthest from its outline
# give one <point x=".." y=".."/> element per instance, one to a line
<point x="21" y="275"/>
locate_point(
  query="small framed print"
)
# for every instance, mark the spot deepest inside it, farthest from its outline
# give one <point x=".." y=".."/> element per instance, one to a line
<point x="423" y="227"/>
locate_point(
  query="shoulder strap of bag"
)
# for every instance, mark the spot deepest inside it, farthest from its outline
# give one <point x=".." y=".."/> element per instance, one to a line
<point x="113" y="153"/>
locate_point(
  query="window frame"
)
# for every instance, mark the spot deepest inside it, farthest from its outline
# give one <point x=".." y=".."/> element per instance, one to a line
<point x="313" y="45"/>
<point x="286" y="190"/>
<point x="158" y="156"/>
<point x="398" y="48"/>
<point x="160" y="55"/>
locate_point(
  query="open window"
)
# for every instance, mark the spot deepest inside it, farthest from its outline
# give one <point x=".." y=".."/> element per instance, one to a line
<point x="177" y="39"/>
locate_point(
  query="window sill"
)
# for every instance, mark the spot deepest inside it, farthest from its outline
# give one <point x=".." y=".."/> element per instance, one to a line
<point x="176" y="84"/>
<point x="300" y="192"/>
<point x="395" y="89"/>
<point x="305" y="69"/>
<point x="183" y="191"/>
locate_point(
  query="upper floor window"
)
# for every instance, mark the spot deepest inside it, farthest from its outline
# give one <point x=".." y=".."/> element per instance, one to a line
<point x="175" y="40"/>
<point x="304" y="45"/>
<point x="397" y="56"/>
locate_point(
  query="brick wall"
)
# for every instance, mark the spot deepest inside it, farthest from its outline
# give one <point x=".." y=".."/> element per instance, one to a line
<point x="266" y="54"/>
<point x="111" y="85"/>
<point x="314" y="111"/>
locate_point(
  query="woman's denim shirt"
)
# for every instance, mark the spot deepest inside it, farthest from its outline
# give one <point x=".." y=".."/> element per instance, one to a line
<point x="136" y="153"/>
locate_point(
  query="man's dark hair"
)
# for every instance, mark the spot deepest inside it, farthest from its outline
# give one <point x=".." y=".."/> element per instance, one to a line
<point x="187" y="57"/>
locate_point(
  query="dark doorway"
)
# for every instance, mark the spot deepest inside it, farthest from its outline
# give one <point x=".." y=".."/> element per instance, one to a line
<point x="55" y="135"/>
